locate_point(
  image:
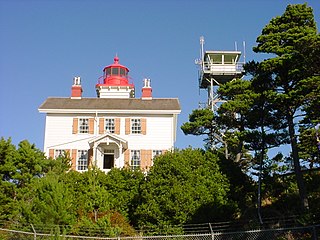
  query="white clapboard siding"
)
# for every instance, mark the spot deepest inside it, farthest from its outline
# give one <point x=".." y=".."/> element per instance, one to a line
<point x="58" y="134"/>
<point x="159" y="134"/>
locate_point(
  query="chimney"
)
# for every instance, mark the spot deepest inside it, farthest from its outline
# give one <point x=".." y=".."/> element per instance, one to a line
<point x="76" y="89"/>
<point x="146" y="90"/>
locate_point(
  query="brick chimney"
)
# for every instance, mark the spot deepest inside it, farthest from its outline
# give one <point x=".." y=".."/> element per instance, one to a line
<point x="76" y="89"/>
<point x="146" y="90"/>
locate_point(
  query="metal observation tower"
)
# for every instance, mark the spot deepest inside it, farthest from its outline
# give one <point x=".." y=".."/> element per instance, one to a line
<point x="217" y="68"/>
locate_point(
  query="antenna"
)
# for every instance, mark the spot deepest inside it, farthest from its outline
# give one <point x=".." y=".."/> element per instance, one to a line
<point x="201" y="44"/>
<point x="244" y="51"/>
<point x="235" y="46"/>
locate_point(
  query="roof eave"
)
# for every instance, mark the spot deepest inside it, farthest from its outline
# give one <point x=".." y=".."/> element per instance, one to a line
<point x="95" y="111"/>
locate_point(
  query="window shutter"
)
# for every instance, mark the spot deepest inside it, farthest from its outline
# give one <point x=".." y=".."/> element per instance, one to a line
<point x="74" y="159"/>
<point x="51" y="153"/>
<point x="101" y="125"/>
<point x="127" y="130"/>
<point x="91" y="125"/>
<point x="143" y="126"/>
<point x="75" y="126"/>
<point x="146" y="159"/>
<point x="127" y="158"/>
<point x="117" y="126"/>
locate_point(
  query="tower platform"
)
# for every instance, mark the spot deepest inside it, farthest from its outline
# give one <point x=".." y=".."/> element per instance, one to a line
<point x="219" y="66"/>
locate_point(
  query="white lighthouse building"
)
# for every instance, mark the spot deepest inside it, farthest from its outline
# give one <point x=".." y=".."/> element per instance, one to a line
<point x="115" y="129"/>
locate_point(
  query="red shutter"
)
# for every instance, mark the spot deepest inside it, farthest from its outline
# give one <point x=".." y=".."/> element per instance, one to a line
<point x="75" y="126"/>
<point x="101" y="125"/>
<point x="127" y="127"/>
<point x="146" y="159"/>
<point x="74" y="159"/>
<point x="143" y="126"/>
<point x="91" y="125"/>
<point x="117" y="126"/>
<point x="127" y="158"/>
<point x="51" y="153"/>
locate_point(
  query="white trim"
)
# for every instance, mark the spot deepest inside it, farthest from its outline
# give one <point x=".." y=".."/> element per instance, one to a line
<point x="120" y="142"/>
<point x="126" y="111"/>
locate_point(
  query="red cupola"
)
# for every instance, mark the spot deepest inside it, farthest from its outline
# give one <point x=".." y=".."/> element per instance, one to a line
<point x="116" y="74"/>
<point x="115" y="83"/>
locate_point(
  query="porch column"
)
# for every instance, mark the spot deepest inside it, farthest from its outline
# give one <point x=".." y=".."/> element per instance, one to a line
<point x="95" y="154"/>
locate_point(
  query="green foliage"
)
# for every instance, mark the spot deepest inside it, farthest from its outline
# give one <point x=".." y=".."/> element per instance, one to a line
<point x="182" y="187"/>
<point x="308" y="150"/>
<point x="282" y="34"/>
<point x="109" y="223"/>
<point x="279" y="103"/>
<point x="201" y="122"/>
<point x="124" y="186"/>
<point x="49" y="202"/>
<point x="7" y="187"/>
<point x="242" y="191"/>
<point x="18" y="168"/>
<point x="281" y="97"/>
<point x="289" y="37"/>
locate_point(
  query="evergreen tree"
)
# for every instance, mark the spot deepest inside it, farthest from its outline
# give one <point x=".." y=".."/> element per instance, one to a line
<point x="291" y="79"/>
<point x="201" y="122"/>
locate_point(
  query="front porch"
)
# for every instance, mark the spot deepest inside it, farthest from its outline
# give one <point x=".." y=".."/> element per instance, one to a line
<point x="107" y="151"/>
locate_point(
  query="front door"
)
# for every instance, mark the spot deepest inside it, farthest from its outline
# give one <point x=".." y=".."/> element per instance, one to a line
<point x="108" y="161"/>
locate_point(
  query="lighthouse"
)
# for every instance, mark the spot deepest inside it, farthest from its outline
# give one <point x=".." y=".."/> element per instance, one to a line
<point x="114" y="129"/>
<point x="115" y="82"/>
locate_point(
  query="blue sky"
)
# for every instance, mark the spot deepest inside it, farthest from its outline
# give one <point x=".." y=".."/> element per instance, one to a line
<point x="44" y="44"/>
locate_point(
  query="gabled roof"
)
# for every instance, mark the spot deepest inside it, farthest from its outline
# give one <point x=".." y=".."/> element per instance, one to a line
<point x="108" y="137"/>
<point x="52" y="104"/>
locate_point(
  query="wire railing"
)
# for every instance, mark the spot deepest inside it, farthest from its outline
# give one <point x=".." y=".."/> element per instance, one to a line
<point x="298" y="233"/>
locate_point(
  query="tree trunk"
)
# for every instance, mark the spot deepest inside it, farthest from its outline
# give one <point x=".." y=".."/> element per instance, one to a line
<point x="297" y="167"/>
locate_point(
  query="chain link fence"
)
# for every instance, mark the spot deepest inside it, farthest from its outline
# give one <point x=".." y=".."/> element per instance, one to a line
<point x="297" y="233"/>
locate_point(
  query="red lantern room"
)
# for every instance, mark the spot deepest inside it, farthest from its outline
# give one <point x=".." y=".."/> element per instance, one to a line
<point x="115" y="76"/>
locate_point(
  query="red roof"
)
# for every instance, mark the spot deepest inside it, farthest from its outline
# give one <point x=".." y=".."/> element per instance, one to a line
<point x="116" y="64"/>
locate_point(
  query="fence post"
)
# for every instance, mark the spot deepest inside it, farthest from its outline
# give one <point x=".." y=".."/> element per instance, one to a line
<point x="212" y="234"/>
<point x="34" y="231"/>
<point x="314" y="234"/>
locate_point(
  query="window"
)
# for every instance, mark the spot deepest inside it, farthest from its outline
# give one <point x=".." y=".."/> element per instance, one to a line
<point x="83" y="125"/>
<point x="109" y="125"/>
<point x="82" y="163"/>
<point x="136" y="126"/>
<point x="122" y="72"/>
<point x="114" y="71"/>
<point x="156" y="153"/>
<point x="135" y="159"/>
<point x="58" y="153"/>
<point x="108" y="72"/>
